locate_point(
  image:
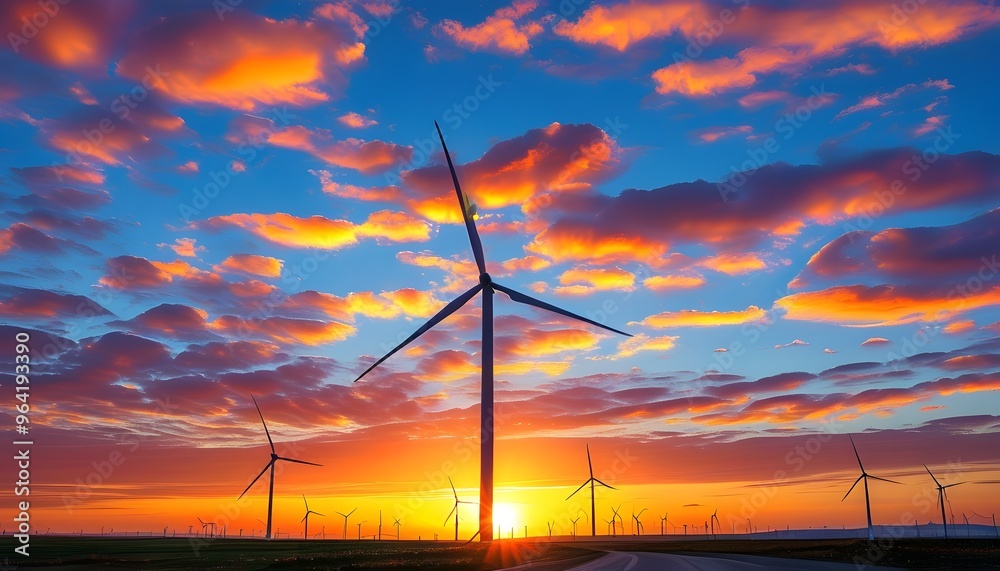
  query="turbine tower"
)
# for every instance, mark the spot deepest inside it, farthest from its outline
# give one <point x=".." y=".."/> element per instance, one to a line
<point x="864" y="476"/>
<point x="942" y="495"/>
<point x="305" y="532"/>
<point x="638" y="524"/>
<point x="714" y="519"/>
<point x="591" y="481"/>
<point x="454" y="509"/>
<point x="397" y="524"/>
<point x="270" y="465"/>
<point x="488" y="287"/>
<point x="346" y="515"/>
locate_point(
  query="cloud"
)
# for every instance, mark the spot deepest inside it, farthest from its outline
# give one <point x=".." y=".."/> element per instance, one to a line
<point x="795" y="343"/>
<point x="186" y="247"/>
<point x="500" y="32"/>
<point x="875" y="341"/>
<point x="793" y="38"/>
<point x="244" y="61"/>
<point x="764" y="203"/>
<point x="283" y="330"/>
<point x="76" y="37"/>
<point x="667" y="283"/>
<point x="695" y="318"/>
<point x="364" y="156"/>
<point x="582" y="281"/>
<point x="879" y="99"/>
<point x="624" y="24"/>
<point x="713" y="134"/>
<point x="759" y="99"/>
<point x="642" y="342"/>
<point x="356" y="121"/>
<point x="319" y="232"/>
<point x="26" y="238"/>
<point x="960" y="326"/>
<point x="252" y="264"/>
<point x="40" y="303"/>
<point x="734" y="264"/>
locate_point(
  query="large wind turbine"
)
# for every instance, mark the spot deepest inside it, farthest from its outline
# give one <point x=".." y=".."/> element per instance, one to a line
<point x="488" y="287"/>
<point x="591" y="481"/>
<point x="270" y="465"/>
<point x="454" y="510"/>
<point x="864" y="476"/>
<point x="305" y="532"/>
<point x="942" y="495"/>
<point x="346" y="515"/>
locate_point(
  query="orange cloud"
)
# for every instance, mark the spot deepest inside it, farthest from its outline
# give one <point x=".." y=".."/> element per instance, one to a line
<point x="883" y="304"/>
<point x="789" y="38"/>
<point x="875" y="341"/>
<point x="368" y="194"/>
<point x="385" y="305"/>
<point x="283" y="329"/>
<point x="712" y="134"/>
<point x="356" y="121"/>
<point x="527" y="263"/>
<point x="621" y="25"/>
<point x="642" y="342"/>
<point x="251" y="264"/>
<point x="695" y="318"/>
<point x="665" y="283"/>
<point x="324" y="233"/>
<point x="734" y="264"/>
<point x="539" y="342"/>
<point x="961" y="326"/>
<point x="365" y="156"/>
<point x="244" y="61"/>
<point x="500" y="32"/>
<point x="522" y="171"/>
<point x="596" y="279"/>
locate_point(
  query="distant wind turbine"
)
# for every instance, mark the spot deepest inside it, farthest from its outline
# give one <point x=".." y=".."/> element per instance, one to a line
<point x="574" y="525"/>
<point x="397" y="524"/>
<point x="487" y="286"/>
<point x="942" y="495"/>
<point x="591" y="481"/>
<point x="359" y="528"/>
<point x="454" y="509"/>
<point x="864" y="476"/>
<point x="715" y="519"/>
<point x="638" y="524"/>
<point x="615" y="514"/>
<point x="346" y="515"/>
<point x="205" y="526"/>
<point x="663" y="520"/>
<point x="305" y="532"/>
<point x="270" y="465"/>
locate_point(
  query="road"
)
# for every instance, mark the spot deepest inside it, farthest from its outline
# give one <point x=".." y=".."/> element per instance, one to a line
<point x="640" y="561"/>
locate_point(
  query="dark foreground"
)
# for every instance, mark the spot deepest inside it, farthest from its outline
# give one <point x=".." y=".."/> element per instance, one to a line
<point x="79" y="553"/>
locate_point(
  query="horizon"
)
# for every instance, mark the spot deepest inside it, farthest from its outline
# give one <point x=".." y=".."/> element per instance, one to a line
<point x="793" y="210"/>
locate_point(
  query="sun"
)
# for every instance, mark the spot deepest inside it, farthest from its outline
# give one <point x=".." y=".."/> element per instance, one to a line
<point x="505" y="516"/>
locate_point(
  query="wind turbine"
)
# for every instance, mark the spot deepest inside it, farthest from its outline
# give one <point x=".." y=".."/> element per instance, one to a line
<point x="549" y="523"/>
<point x="591" y="481"/>
<point x="397" y="524"/>
<point x="305" y="532"/>
<point x="204" y="527"/>
<point x="380" y="525"/>
<point x="713" y="519"/>
<point x="488" y="287"/>
<point x="609" y="522"/>
<point x="942" y="495"/>
<point x="663" y="520"/>
<point x="346" y="515"/>
<point x="615" y="514"/>
<point x="864" y="476"/>
<point x="359" y="529"/>
<point x="270" y="465"/>
<point x="638" y="524"/>
<point x="574" y="526"/>
<point x="454" y="509"/>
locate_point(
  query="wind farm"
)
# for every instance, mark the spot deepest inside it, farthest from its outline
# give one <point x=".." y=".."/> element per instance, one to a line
<point x="744" y="253"/>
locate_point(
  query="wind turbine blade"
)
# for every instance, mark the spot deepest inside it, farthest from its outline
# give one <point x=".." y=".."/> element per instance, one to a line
<point x="578" y="489"/>
<point x="298" y="461"/>
<point x="528" y="300"/>
<point x="269" y="441"/>
<point x="589" y="464"/>
<point x="449" y="515"/>
<point x="352" y="511"/>
<point x="856" y="455"/>
<point x="303" y="518"/>
<point x="307" y="503"/>
<point x="938" y="484"/>
<point x="438" y="317"/>
<point x="453" y="489"/>
<point x="319" y="514"/>
<point x="255" y="479"/>
<point x="343" y="514"/>
<point x="463" y="201"/>
<point x="605" y="485"/>
<point x="884" y="480"/>
<point x="852" y="487"/>
<point x="201" y="522"/>
<point x="952" y="485"/>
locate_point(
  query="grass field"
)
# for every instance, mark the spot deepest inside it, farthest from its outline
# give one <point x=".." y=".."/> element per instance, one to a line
<point x="80" y="553"/>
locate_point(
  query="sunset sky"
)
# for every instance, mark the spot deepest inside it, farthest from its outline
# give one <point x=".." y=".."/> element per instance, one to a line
<point x="794" y="210"/>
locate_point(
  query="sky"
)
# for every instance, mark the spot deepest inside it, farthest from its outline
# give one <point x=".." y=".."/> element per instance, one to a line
<point x="792" y="209"/>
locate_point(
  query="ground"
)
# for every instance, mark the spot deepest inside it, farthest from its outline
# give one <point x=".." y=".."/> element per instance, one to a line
<point x="80" y="553"/>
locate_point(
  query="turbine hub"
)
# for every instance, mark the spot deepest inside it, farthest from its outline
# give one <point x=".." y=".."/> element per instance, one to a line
<point x="274" y="456"/>
<point x="485" y="279"/>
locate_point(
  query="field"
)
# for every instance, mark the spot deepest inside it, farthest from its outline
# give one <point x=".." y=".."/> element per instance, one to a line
<point x="80" y="553"/>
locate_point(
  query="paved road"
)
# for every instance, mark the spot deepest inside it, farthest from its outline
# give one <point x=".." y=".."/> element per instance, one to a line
<point x="640" y="561"/>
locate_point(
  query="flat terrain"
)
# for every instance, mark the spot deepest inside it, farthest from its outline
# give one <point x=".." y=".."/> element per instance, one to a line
<point x="80" y="553"/>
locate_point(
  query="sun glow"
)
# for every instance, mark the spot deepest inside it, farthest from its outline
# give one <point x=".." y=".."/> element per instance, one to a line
<point x="505" y="517"/>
